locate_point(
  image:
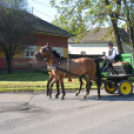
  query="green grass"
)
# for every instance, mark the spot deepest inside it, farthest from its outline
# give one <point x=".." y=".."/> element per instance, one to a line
<point x="24" y="77"/>
<point x="32" y="82"/>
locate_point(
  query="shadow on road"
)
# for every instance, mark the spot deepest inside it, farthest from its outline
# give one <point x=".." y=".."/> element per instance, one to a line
<point x="108" y="97"/>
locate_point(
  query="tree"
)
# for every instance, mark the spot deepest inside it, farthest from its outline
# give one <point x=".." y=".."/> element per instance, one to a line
<point x="91" y="13"/>
<point x="79" y="31"/>
<point x="15" y="27"/>
<point x="113" y="9"/>
<point x="127" y="15"/>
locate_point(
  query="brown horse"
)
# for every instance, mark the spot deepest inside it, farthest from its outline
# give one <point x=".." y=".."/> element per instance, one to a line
<point x="82" y="66"/>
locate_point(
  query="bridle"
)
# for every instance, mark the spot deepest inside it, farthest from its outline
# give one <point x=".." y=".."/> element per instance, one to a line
<point x="47" y="56"/>
<point x="48" y="53"/>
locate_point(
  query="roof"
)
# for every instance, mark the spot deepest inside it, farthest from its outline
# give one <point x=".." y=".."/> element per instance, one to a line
<point x="42" y="26"/>
<point x="99" y="35"/>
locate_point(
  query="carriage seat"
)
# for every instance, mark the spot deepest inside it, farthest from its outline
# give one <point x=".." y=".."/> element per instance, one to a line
<point x="123" y="65"/>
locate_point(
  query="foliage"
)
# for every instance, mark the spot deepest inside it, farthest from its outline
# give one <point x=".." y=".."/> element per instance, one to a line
<point x="127" y="12"/>
<point x="82" y="13"/>
<point x="72" y="28"/>
<point x="127" y="15"/>
<point x="91" y="13"/>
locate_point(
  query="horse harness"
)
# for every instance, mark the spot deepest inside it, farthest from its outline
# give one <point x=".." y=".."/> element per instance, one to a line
<point x="61" y="69"/>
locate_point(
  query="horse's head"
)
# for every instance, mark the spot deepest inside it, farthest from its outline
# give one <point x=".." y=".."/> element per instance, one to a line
<point x="43" y="52"/>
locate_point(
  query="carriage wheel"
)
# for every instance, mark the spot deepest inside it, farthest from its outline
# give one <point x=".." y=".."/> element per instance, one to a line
<point x="125" y="88"/>
<point x="110" y="87"/>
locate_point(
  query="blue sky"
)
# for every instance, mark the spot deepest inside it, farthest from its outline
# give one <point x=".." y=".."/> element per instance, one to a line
<point x="44" y="7"/>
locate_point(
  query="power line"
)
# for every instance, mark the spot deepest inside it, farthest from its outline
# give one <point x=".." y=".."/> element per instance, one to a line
<point x="43" y="13"/>
<point x="41" y="3"/>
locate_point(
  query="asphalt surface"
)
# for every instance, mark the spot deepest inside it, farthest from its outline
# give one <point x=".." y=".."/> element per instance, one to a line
<point x="34" y="113"/>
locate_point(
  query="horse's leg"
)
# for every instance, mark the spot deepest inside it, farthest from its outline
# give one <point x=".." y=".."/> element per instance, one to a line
<point x="62" y="88"/>
<point x="58" y="91"/>
<point x="98" y="86"/>
<point x="49" y="80"/>
<point x="81" y="83"/>
<point x="50" y="91"/>
<point x="97" y="78"/>
<point x="87" y="86"/>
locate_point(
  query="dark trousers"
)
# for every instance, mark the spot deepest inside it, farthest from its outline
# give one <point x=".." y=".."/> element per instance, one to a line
<point x="108" y="65"/>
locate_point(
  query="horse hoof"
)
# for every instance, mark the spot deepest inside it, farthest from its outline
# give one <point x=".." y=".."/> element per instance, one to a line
<point x="49" y="96"/>
<point x="62" y="98"/>
<point x="84" y="97"/>
<point x="56" y="96"/>
<point x="76" y="94"/>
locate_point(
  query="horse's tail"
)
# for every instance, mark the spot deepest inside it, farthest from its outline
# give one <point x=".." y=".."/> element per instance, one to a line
<point x="98" y="71"/>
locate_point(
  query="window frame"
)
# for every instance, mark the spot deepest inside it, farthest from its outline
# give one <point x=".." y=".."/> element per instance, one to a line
<point x="30" y="49"/>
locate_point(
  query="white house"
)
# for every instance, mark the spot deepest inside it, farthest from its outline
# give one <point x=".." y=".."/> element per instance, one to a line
<point x="94" y="43"/>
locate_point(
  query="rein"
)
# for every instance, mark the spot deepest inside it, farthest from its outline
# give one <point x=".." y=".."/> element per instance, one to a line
<point x="63" y="70"/>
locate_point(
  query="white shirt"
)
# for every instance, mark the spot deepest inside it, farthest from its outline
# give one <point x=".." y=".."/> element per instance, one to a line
<point x="112" y="56"/>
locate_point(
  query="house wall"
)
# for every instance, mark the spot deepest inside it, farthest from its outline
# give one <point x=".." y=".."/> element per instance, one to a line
<point x="3" y="64"/>
<point x="89" y="48"/>
<point x="59" y="43"/>
<point x="93" y="48"/>
<point x="54" y="41"/>
<point x="65" y="52"/>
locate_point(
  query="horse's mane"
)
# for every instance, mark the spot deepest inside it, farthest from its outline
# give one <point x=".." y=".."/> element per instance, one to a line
<point x="57" y="55"/>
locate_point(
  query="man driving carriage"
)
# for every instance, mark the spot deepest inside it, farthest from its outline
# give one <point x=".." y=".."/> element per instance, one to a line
<point x="110" y="58"/>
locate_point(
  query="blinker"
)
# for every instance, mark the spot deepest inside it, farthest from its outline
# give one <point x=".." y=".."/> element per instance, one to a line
<point x="43" y="50"/>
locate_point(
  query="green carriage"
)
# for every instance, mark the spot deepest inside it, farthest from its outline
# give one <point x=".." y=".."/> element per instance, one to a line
<point x="123" y="82"/>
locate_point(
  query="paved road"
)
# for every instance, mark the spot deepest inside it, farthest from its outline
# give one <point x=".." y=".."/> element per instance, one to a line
<point x="36" y="114"/>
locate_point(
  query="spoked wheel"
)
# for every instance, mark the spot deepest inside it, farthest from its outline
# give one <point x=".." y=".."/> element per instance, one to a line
<point x="125" y="88"/>
<point x="110" y="86"/>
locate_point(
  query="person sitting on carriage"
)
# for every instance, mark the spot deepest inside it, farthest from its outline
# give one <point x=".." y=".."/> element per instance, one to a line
<point x="110" y="58"/>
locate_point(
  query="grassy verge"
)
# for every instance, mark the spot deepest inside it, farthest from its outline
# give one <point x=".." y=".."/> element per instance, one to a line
<point x="32" y="82"/>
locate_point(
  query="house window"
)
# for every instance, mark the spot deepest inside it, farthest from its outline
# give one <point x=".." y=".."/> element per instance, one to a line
<point x="27" y="54"/>
<point x="32" y="53"/>
<point x="83" y="52"/>
<point x="103" y="53"/>
<point x="29" y="51"/>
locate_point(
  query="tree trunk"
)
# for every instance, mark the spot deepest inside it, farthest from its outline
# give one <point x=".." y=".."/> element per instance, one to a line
<point x="9" y="66"/>
<point x="117" y="37"/>
<point x="131" y="37"/>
